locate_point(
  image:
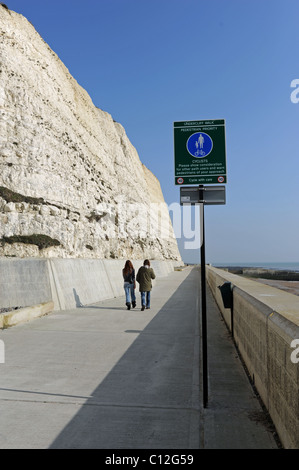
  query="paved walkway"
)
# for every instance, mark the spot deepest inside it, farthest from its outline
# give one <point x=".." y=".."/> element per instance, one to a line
<point x="104" y="377"/>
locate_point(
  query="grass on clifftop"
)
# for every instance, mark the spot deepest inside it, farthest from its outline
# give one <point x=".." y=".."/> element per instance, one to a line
<point x="11" y="196"/>
<point x="42" y="241"/>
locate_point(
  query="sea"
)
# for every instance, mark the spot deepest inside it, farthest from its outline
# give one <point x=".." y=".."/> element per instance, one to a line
<point x="284" y="266"/>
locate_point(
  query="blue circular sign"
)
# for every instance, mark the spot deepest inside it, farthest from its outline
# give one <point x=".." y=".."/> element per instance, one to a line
<point x="199" y="145"/>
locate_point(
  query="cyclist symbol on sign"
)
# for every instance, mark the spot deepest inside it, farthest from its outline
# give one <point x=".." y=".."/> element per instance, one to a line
<point x="199" y="145"/>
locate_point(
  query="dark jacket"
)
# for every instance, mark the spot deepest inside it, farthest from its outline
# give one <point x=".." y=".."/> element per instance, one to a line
<point x="129" y="277"/>
<point x="144" y="277"/>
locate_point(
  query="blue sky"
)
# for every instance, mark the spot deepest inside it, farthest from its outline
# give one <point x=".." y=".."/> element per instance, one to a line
<point x="152" y="62"/>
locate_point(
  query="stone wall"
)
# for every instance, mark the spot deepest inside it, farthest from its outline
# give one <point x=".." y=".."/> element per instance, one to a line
<point x="265" y="323"/>
<point x="71" y="182"/>
<point x="67" y="283"/>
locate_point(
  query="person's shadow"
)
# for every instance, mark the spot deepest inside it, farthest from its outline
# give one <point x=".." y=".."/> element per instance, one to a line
<point x="77" y="299"/>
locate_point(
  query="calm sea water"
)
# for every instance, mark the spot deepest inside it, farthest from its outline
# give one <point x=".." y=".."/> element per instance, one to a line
<point x="288" y="266"/>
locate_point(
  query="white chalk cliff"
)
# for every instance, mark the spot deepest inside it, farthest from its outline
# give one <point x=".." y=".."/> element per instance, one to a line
<point x="71" y="182"/>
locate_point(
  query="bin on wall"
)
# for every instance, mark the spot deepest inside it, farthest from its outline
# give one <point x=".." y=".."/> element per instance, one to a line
<point x="227" y="294"/>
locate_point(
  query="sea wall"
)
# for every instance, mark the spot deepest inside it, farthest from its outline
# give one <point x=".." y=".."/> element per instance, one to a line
<point x="67" y="283"/>
<point x="265" y="321"/>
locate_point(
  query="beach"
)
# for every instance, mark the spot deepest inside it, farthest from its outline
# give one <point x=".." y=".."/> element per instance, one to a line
<point x="289" y="286"/>
<point x="287" y="280"/>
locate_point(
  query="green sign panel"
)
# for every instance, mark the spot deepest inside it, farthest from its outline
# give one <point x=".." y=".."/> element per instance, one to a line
<point x="199" y="152"/>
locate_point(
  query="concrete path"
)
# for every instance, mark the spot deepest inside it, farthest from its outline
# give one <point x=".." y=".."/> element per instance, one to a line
<point x="104" y="377"/>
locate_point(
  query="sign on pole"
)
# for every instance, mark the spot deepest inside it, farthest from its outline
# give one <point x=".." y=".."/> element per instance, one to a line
<point x="202" y="194"/>
<point x="199" y="152"/>
<point x="200" y="158"/>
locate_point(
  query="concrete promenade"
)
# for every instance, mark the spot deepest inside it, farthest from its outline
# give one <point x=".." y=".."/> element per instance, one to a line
<point x="107" y="378"/>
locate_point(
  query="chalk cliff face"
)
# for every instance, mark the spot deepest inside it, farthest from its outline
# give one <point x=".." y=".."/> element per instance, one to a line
<point x="71" y="183"/>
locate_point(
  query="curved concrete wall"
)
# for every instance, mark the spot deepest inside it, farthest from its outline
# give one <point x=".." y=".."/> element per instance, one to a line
<point x="265" y="321"/>
<point x="66" y="282"/>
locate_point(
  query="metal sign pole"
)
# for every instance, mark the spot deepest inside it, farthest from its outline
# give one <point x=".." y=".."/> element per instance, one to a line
<point x="203" y="195"/>
<point x="200" y="158"/>
<point x="203" y="309"/>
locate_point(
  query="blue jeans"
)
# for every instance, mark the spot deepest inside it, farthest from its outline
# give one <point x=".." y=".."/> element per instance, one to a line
<point x="130" y="293"/>
<point x="146" y="299"/>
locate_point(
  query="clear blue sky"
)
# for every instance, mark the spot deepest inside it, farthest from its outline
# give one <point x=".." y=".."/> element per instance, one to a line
<point x="152" y="62"/>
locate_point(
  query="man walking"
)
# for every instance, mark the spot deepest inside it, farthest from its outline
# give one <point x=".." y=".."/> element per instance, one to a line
<point x="144" y="278"/>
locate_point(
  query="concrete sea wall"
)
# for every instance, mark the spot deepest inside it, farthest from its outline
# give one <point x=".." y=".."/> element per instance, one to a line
<point x="265" y="321"/>
<point x="65" y="283"/>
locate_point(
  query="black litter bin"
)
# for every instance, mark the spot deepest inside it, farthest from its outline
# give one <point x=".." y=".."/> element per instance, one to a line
<point x="227" y="294"/>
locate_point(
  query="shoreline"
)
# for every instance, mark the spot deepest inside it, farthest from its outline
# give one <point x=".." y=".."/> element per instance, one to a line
<point x="280" y="279"/>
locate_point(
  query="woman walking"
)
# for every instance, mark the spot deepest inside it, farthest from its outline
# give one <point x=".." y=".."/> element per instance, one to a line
<point x="129" y="284"/>
<point x="144" y="278"/>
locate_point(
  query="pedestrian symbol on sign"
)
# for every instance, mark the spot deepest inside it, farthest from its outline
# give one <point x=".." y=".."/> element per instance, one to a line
<point x="199" y="145"/>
